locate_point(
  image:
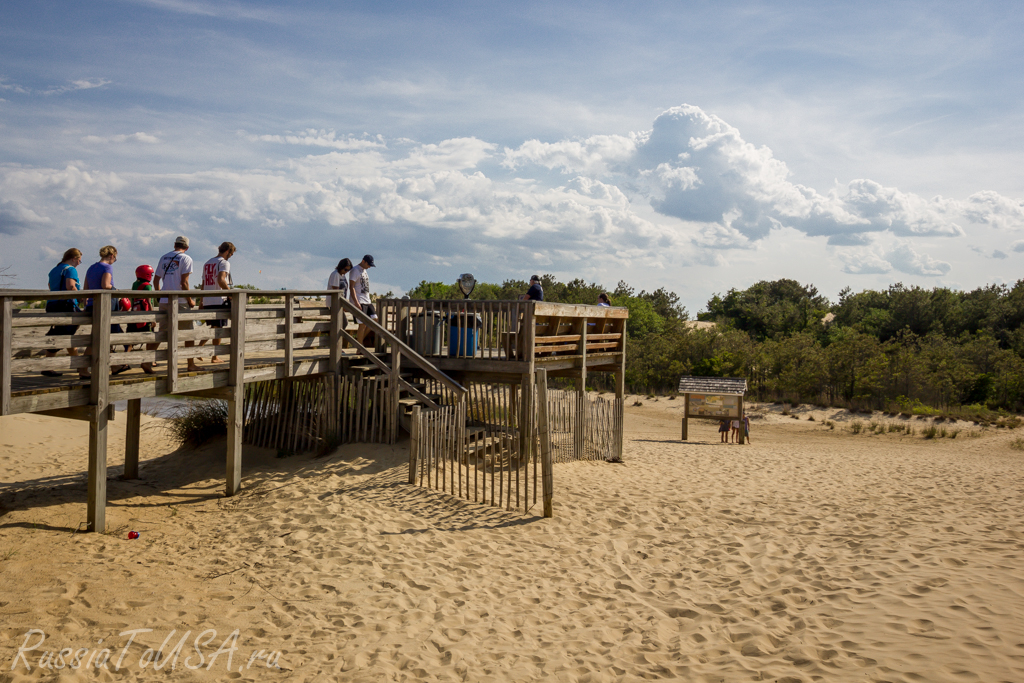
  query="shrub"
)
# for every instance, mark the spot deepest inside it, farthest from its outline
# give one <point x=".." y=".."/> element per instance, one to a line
<point x="198" y="421"/>
<point x="930" y="432"/>
<point x="856" y="426"/>
<point x="1017" y="444"/>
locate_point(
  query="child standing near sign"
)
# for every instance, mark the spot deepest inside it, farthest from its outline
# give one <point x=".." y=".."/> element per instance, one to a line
<point x="723" y="430"/>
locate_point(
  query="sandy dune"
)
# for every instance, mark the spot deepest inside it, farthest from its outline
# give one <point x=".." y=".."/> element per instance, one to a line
<point x="812" y="554"/>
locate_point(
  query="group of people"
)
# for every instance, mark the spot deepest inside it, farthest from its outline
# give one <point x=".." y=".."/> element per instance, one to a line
<point x="354" y="283"/>
<point x="729" y="430"/>
<point x="172" y="273"/>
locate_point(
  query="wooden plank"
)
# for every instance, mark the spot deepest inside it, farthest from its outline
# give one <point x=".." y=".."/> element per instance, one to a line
<point x="96" y="505"/>
<point x="289" y="333"/>
<point x="6" y="352"/>
<point x="132" y="439"/>
<point x="547" y="308"/>
<point x="172" y="342"/>
<point x="547" y="468"/>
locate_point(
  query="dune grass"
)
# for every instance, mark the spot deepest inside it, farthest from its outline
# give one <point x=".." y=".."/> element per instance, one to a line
<point x="198" y="421"/>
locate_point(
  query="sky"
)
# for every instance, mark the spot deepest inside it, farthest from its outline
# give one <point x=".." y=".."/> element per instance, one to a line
<point x="696" y="146"/>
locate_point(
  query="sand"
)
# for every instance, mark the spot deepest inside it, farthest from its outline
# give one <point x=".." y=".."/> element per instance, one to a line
<point x="811" y="554"/>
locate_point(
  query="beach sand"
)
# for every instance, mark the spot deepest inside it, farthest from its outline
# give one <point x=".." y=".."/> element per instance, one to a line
<point x="810" y="554"/>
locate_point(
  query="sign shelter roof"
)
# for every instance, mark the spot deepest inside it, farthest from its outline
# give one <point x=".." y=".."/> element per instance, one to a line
<point x="728" y="386"/>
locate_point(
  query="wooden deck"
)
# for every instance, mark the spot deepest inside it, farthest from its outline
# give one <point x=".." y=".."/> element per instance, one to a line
<point x="441" y="341"/>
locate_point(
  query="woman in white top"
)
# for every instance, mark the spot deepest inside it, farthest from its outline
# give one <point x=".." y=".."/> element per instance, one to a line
<point x="339" y="280"/>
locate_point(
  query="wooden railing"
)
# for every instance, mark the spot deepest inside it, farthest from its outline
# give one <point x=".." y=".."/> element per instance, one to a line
<point x="503" y="330"/>
<point x="307" y="338"/>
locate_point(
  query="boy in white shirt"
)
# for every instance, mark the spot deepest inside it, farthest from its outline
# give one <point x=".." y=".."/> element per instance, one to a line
<point x="217" y="275"/>
<point x="359" y="293"/>
<point x="172" y="275"/>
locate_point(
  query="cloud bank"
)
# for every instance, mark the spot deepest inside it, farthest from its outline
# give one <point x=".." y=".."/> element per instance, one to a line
<point x="685" y="192"/>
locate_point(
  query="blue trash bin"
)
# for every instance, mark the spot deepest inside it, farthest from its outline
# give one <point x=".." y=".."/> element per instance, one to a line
<point x="462" y="335"/>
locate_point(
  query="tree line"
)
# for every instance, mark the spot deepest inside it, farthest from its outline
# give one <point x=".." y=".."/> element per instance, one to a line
<point x="896" y="348"/>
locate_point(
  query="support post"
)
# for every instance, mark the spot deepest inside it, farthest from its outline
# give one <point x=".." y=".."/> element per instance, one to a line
<point x="395" y="388"/>
<point x="97" y="498"/>
<point x="743" y="425"/>
<point x="414" y="444"/>
<point x="334" y="334"/>
<point x="172" y="343"/>
<point x="6" y="352"/>
<point x="686" y="416"/>
<point x="546" y="468"/>
<point x="236" y="403"/>
<point x="289" y="335"/>
<point x="525" y="421"/>
<point x="131" y="439"/>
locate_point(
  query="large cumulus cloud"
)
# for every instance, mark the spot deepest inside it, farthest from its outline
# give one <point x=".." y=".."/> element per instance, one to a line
<point x="690" y="188"/>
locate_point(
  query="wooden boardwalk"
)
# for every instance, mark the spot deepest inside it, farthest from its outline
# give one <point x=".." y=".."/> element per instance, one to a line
<point x="298" y="334"/>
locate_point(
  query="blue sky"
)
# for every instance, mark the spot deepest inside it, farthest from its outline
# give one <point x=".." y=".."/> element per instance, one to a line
<point x="696" y="146"/>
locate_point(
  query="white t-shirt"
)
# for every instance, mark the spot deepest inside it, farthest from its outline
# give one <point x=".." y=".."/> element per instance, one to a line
<point x="211" y="270"/>
<point x="172" y="266"/>
<point x="360" y="279"/>
<point x="338" y="281"/>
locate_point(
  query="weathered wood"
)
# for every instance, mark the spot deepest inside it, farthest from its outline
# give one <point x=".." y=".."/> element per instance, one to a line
<point x="544" y="437"/>
<point x="172" y="342"/>
<point x="6" y="352"/>
<point x="686" y="416"/>
<point x="132" y="439"/>
<point x="414" y="443"/>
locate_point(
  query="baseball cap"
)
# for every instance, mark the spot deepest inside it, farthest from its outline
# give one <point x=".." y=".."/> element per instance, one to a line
<point x="182" y="240"/>
<point x="535" y="277"/>
<point x="369" y="260"/>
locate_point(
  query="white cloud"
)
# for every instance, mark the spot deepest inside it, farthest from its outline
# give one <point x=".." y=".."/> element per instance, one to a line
<point x="904" y="259"/>
<point x="134" y="137"/>
<point x="684" y="193"/>
<point x="865" y="263"/>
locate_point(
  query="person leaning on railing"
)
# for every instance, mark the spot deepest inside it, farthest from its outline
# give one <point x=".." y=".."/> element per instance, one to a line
<point x="101" y="276"/>
<point x="64" y="278"/>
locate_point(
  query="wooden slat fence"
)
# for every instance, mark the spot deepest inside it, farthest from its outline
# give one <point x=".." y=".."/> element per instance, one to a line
<point x="319" y="412"/>
<point x="477" y="450"/>
<point x="584" y="427"/>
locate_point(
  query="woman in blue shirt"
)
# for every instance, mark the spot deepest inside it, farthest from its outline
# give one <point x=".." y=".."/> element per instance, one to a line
<point x="64" y="278"/>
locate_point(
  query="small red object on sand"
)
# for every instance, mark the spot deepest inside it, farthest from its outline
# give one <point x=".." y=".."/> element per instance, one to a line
<point x="133" y="534"/>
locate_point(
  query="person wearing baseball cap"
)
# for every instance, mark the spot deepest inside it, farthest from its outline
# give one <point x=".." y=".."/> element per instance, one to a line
<point x="172" y="274"/>
<point x="359" y="292"/>
<point x="535" y="292"/>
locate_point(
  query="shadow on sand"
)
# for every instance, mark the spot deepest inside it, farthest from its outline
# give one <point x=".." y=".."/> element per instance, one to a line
<point x="186" y="477"/>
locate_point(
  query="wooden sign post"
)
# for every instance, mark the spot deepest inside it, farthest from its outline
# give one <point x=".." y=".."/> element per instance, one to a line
<point x="713" y="398"/>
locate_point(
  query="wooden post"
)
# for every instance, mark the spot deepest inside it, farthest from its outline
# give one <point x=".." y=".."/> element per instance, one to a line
<point x="289" y="334"/>
<point x="414" y="443"/>
<point x="395" y="409"/>
<point x="620" y="376"/>
<point x="6" y="352"/>
<point x="131" y="439"/>
<point x="743" y="426"/>
<point x="334" y="335"/>
<point x="97" y="499"/>
<point x="236" y="380"/>
<point x="172" y="343"/>
<point x="546" y="468"/>
<point x="686" y="416"/>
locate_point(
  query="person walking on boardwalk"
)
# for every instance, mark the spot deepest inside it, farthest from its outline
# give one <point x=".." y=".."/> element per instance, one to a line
<point x="172" y="274"/>
<point x="359" y="293"/>
<point x="338" y="280"/>
<point x="64" y="278"/>
<point x="217" y="275"/>
<point x="101" y="276"/>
